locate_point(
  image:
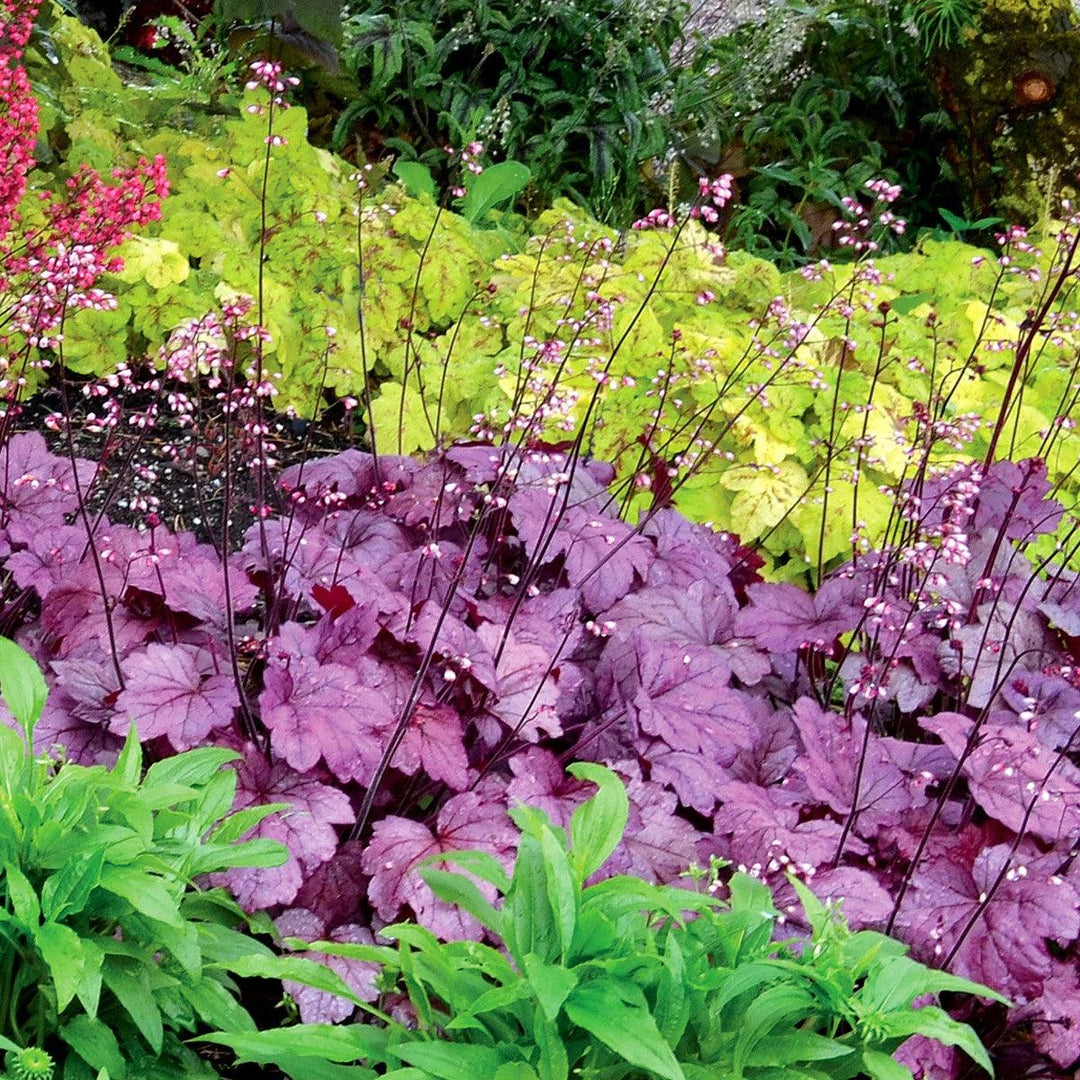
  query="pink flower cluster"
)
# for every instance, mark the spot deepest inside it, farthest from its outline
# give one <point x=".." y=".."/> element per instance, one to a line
<point x="270" y="75"/>
<point x="52" y="269"/>
<point x="855" y="230"/>
<point x="470" y="159"/>
<point x="713" y="196"/>
<point x="18" y="111"/>
<point x="655" y="219"/>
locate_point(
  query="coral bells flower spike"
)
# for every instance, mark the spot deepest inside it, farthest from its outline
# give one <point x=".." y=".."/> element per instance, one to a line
<point x="18" y="111"/>
<point x="54" y="269"/>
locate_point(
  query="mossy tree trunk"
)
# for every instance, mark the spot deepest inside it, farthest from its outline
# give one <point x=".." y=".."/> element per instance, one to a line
<point x="1013" y="92"/>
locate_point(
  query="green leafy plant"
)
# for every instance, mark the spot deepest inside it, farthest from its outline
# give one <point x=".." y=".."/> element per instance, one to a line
<point x="941" y="23"/>
<point x="110" y="956"/>
<point x="816" y="153"/>
<point x="496" y="186"/>
<point x="619" y="978"/>
<point x="959" y="225"/>
<point x="204" y="68"/>
<point x="866" y="70"/>
<point x="582" y="94"/>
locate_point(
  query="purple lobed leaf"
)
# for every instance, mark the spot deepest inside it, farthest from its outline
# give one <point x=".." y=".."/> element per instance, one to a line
<point x="177" y="692"/>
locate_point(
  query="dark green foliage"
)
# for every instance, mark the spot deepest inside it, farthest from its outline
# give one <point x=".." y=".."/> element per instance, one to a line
<point x="822" y="96"/>
<point x="581" y="93"/>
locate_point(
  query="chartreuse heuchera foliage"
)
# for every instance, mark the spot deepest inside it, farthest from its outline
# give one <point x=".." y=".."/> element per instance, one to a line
<point x="621" y="978"/>
<point x="761" y="402"/>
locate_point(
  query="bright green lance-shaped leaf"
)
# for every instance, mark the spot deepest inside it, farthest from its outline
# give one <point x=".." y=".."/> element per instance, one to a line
<point x="881" y="1066"/>
<point x="899" y="979"/>
<point x="215" y="1005"/>
<point x="89" y="991"/>
<point x="562" y="889"/>
<point x="552" y="1063"/>
<point x="146" y="893"/>
<point x="528" y="921"/>
<point x="96" y="1044"/>
<point x="302" y="1068"/>
<point x="24" y="900"/>
<point x="516" y="1070"/>
<point x="598" y="824"/>
<point x="191" y="768"/>
<point x="673" y="1004"/>
<point x="128" y="767"/>
<point x="615" y="1012"/>
<point x="481" y="864"/>
<point x="780" y="1050"/>
<point x="22" y="685"/>
<point x="458" y="890"/>
<point x="496" y="185"/>
<point x="131" y="985"/>
<point x="936" y="1023"/>
<point x="67" y="891"/>
<point x="550" y="983"/>
<point x="334" y="1044"/>
<point x="781" y="1006"/>
<point x="243" y="821"/>
<point x="295" y="968"/>
<point x="451" y="1061"/>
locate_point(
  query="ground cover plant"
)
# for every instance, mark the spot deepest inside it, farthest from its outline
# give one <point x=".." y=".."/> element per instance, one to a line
<point x="402" y="648"/>
<point x="623" y="978"/>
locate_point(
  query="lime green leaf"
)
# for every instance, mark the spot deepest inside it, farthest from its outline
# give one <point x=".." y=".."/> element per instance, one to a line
<point x="155" y="261"/>
<point x="401" y="429"/>
<point x="763" y="496"/>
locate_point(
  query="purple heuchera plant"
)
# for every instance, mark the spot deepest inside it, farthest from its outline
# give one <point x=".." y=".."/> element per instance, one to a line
<point x="418" y="645"/>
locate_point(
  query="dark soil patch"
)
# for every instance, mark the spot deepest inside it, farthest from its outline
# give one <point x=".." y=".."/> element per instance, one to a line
<point x="186" y="474"/>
